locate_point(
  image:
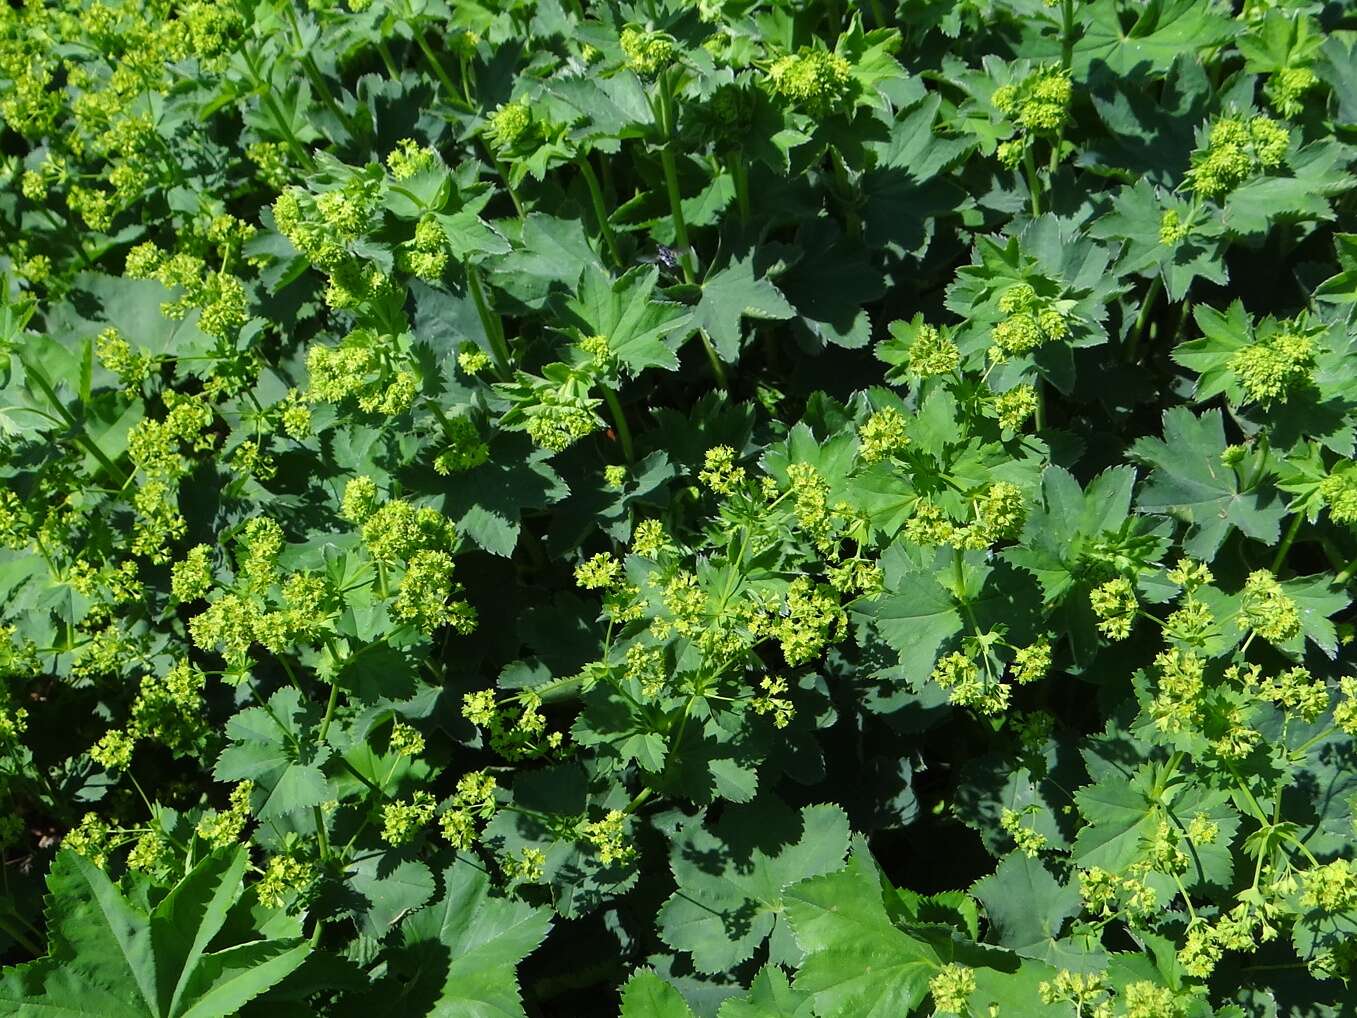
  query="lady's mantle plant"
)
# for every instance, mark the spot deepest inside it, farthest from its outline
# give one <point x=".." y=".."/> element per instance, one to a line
<point x="746" y="508"/>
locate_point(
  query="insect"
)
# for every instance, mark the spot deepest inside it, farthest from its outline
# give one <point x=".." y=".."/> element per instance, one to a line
<point x="667" y="258"/>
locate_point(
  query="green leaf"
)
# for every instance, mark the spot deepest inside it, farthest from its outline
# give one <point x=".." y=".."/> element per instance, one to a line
<point x="730" y="880"/>
<point x="646" y="995"/>
<point x="459" y="956"/>
<point x="916" y="620"/>
<point x="273" y="747"/>
<point x="108" y="956"/>
<point x="391" y="892"/>
<point x="770" y="996"/>
<point x="734" y="293"/>
<point x="1027" y="906"/>
<point x="635" y="325"/>
<point x="1190" y="482"/>
<point x="1162" y="30"/>
<point x="858" y="963"/>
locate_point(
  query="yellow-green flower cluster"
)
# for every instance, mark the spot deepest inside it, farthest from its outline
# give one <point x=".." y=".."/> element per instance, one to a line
<point x="403" y="819"/>
<point x="810" y="619"/>
<point x="772" y="701"/>
<point x="1000" y="512"/>
<point x="719" y="472"/>
<point x="598" y="573"/>
<point x="1015" y="406"/>
<point x="1177" y="704"/>
<point x="406" y="740"/>
<point x="1032" y="662"/>
<point x="966" y="686"/>
<point x="1234" y="152"/>
<point x="116" y="354"/>
<point x="283" y="877"/>
<point x="362" y="369"/>
<point x="398" y="529"/>
<point x="1028" y="840"/>
<point x="1267" y="610"/>
<point x="1103" y="893"/>
<point x="113" y="752"/>
<point x="952" y="987"/>
<point x="1271" y="368"/>
<point x="426" y="592"/>
<point x="150" y="854"/>
<point x="90" y="838"/>
<point x="190" y="578"/>
<point x="1345" y="712"/>
<point x="559" y="419"/>
<point x="1339" y="492"/>
<point x="473" y="800"/>
<point x="409" y="158"/>
<point x="510" y="125"/>
<point x="465" y="448"/>
<point x="1145" y="999"/>
<point x="1172" y="230"/>
<point x="1032" y="322"/>
<point x="13" y="723"/>
<point x="1085" y="990"/>
<point x="609" y="838"/>
<point x="527" y="867"/>
<point x="1294" y="691"/>
<point x="360" y="499"/>
<point x="882" y="435"/>
<point x="810" y="503"/>
<point x="932" y="353"/>
<point x="1039" y="103"/>
<point x="219" y="296"/>
<point x="1115" y="605"/>
<point x="220" y="829"/>
<point x="426" y="255"/>
<point x="517" y="728"/>
<point x="1286" y="89"/>
<point x="473" y="361"/>
<point x="647" y="53"/>
<point x="1331" y="887"/>
<point x="815" y="81"/>
<point x="169" y="708"/>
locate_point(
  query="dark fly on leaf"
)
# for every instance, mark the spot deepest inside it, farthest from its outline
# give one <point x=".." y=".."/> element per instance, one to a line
<point x="667" y="258"/>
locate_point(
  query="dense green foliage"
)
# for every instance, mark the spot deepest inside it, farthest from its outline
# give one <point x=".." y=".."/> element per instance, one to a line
<point x="747" y="508"/>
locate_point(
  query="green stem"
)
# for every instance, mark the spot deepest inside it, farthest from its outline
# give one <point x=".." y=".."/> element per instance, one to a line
<point x="717" y="368"/>
<point x="329" y="711"/>
<point x="464" y="67"/>
<point x="1039" y="418"/>
<point x="739" y="175"/>
<point x="1066" y="34"/>
<point x="671" y="177"/>
<point x="513" y="192"/>
<point x="1141" y="319"/>
<point x="282" y="124"/>
<point x="600" y="208"/>
<point x="81" y="435"/>
<point x="388" y="60"/>
<point x="29" y="944"/>
<point x="490" y="322"/>
<point x="620" y="419"/>
<point x="676" y="214"/>
<point x="321" y="836"/>
<point x="450" y="90"/>
<point x="1347" y="574"/>
<point x="1033" y="181"/>
<point x="638" y="799"/>
<point x="1285" y="546"/>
